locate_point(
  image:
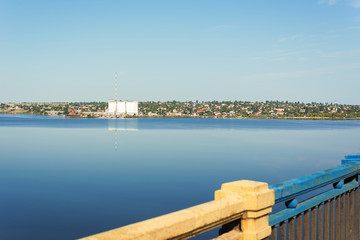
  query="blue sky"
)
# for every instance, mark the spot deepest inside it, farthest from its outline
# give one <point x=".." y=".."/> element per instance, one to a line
<point x="180" y="50"/>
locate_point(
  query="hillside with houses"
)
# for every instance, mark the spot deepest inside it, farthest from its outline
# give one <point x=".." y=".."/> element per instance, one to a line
<point x="196" y="109"/>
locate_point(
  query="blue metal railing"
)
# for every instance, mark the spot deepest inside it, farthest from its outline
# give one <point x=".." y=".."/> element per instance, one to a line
<point x="318" y="216"/>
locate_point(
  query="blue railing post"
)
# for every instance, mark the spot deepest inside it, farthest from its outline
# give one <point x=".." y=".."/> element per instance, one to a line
<point x="351" y="158"/>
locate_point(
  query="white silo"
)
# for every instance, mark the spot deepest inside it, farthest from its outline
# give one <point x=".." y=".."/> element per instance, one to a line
<point x="111" y="106"/>
<point x="121" y="107"/>
<point x="132" y="108"/>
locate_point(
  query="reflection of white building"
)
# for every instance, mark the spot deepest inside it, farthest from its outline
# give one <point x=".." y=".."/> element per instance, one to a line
<point x="124" y="124"/>
<point x="123" y="107"/>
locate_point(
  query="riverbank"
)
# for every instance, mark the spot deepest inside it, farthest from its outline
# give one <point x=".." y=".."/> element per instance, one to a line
<point x="197" y="109"/>
<point x="107" y="116"/>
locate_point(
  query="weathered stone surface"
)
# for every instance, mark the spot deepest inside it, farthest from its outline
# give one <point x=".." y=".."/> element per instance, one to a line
<point x="177" y="223"/>
<point x="246" y="200"/>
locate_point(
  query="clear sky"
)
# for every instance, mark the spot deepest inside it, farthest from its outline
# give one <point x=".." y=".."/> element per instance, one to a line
<point x="180" y="50"/>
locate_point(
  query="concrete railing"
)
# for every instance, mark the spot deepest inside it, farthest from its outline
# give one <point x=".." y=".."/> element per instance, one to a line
<point x="243" y="210"/>
<point x="245" y="201"/>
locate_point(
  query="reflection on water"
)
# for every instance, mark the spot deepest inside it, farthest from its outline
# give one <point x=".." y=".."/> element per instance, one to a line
<point x="116" y="125"/>
<point x="123" y="124"/>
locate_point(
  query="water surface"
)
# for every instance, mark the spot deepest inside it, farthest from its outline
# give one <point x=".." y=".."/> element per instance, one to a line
<point x="69" y="178"/>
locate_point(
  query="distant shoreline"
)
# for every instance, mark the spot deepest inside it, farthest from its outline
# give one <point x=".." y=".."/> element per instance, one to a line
<point x="175" y="109"/>
<point x="195" y="117"/>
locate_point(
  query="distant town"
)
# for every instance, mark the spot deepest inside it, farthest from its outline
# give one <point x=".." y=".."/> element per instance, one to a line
<point x="196" y="109"/>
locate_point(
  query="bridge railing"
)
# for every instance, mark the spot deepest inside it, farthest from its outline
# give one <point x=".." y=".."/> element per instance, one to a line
<point x="243" y="209"/>
<point x="246" y="201"/>
<point x="331" y="214"/>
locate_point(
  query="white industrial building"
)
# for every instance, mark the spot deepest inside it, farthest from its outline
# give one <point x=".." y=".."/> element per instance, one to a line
<point x="123" y="107"/>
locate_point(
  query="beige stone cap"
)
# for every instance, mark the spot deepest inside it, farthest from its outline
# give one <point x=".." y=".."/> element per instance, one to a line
<point x="257" y="194"/>
<point x="178" y="223"/>
<point x="244" y="186"/>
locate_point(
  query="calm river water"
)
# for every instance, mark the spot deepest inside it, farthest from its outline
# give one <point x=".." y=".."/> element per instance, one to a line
<point x="69" y="178"/>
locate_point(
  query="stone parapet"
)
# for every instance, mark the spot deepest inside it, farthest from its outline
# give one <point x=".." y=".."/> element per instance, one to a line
<point x="259" y="199"/>
<point x="242" y="205"/>
<point x="181" y="224"/>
